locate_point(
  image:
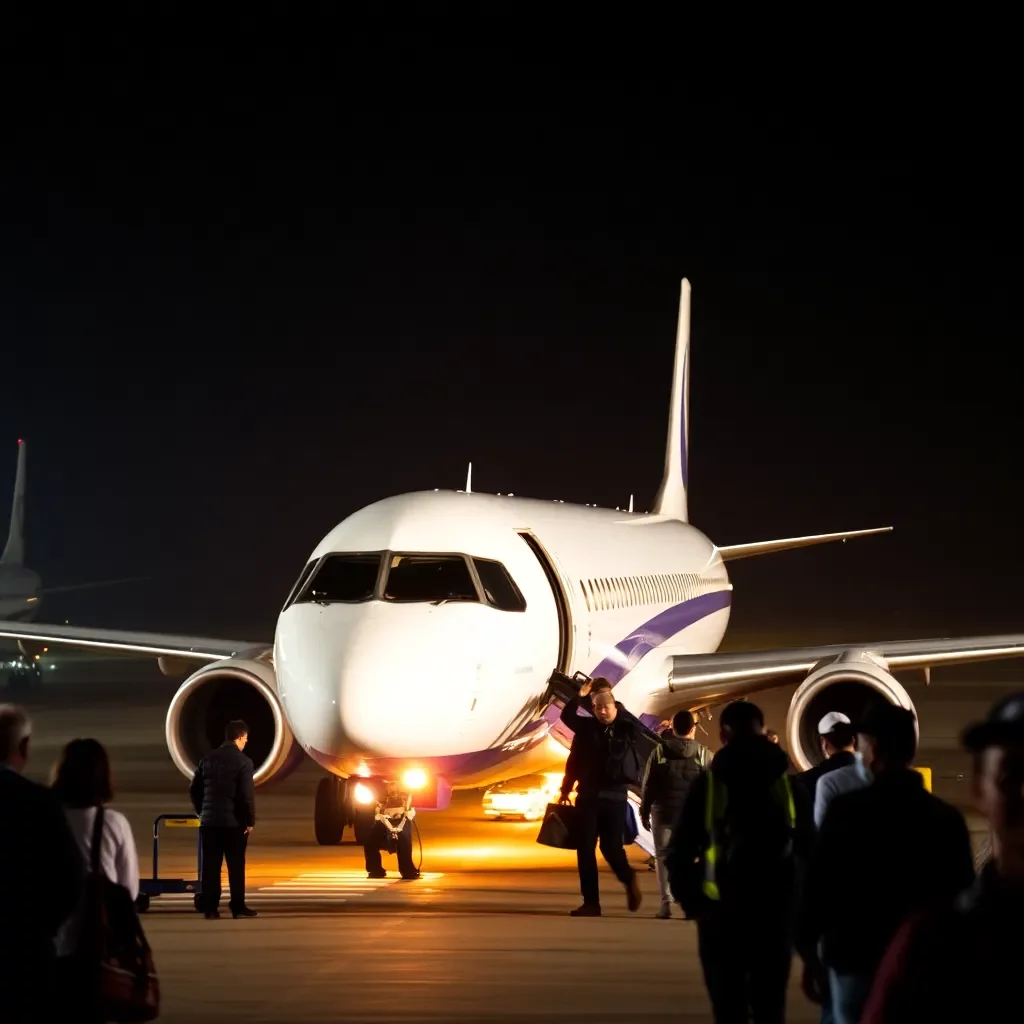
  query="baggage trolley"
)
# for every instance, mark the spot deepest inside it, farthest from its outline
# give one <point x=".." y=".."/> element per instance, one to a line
<point x="157" y="886"/>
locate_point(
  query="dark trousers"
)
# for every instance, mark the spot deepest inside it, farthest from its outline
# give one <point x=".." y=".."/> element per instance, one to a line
<point x="220" y="844"/>
<point x="746" y="960"/>
<point x="600" y="821"/>
<point x="401" y="844"/>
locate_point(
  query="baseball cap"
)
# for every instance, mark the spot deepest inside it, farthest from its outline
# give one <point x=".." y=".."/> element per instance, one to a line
<point x="1003" y="726"/>
<point x="830" y="721"/>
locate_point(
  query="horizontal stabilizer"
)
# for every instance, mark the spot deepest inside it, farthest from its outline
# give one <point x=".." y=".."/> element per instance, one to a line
<point x="766" y="547"/>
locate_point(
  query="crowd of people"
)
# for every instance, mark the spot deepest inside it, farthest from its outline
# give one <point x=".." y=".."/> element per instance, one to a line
<point x="853" y="864"/>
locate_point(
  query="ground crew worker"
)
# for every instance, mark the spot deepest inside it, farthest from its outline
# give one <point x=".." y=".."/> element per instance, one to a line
<point x="390" y="829"/>
<point x="734" y="864"/>
<point x="668" y="775"/>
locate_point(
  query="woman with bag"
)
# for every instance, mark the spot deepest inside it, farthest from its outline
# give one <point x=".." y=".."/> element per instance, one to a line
<point x="111" y="863"/>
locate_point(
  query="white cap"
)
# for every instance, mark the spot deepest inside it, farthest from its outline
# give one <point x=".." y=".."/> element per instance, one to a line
<point x="830" y="721"/>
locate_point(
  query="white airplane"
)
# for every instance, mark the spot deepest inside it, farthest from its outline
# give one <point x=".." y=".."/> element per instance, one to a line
<point x="432" y="637"/>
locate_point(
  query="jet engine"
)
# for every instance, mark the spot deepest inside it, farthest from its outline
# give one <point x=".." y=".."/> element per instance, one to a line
<point x="851" y="684"/>
<point x="241" y="687"/>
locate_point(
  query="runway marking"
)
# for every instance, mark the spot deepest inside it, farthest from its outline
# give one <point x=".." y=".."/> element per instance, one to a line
<point x="310" y="887"/>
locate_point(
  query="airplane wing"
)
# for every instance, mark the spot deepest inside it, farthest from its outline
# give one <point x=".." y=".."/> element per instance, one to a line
<point x="697" y="680"/>
<point x="125" y="642"/>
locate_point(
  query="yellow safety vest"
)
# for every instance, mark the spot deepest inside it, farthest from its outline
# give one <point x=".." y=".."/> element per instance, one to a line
<point x="715" y="802"/>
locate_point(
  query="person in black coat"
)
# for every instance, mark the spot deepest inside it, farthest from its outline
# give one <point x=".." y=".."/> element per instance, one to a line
<point x="40" y="878"/>
<point x="605" y="762"/>
<point x="223" y="796"/>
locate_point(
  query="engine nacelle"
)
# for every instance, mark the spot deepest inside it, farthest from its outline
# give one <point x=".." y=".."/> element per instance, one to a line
<point x="850" y="684"/>
<point x="242" y="687"/>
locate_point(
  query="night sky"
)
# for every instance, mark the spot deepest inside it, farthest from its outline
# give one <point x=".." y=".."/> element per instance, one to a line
<point x="247" y="288"/>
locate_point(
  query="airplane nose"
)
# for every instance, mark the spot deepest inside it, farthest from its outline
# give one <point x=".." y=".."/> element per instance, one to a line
<point x="352" y="684"/>
<point x="400" y="701"/>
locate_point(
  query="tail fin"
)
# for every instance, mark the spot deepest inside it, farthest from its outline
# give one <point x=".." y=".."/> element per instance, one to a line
<point x="14" y="553"/>
<point x="671" y="498"/>
<point x="469" y="479"/>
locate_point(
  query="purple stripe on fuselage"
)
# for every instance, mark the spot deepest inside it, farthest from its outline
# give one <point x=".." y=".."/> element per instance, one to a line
<point x="683" y="454"/>
<point x="644" y="639"/>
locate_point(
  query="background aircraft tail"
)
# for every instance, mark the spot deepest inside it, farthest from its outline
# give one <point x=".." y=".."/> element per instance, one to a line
<point x="14" y="552"/>
<point x="671" y="498"/>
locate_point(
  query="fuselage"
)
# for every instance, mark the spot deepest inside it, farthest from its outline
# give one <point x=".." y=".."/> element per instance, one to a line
<point x="425" y="627"/>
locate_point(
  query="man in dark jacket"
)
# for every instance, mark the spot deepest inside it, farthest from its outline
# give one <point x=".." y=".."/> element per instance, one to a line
<point x="40" y="878"/>
<point x="884" y="852"/>
<point x="835" y="734"/>
<point x="670" y="771"/>
<point x="605" y="762"/>
<point x="962" y="962"/>
<point x="739" y="878"/>
<point x="222" y="795"/>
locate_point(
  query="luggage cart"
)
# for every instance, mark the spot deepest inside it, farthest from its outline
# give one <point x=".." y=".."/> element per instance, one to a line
<point x="157" y="886"/>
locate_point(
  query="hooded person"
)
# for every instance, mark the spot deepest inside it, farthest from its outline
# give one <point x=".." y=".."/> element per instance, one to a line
<point x="670" y="772"/>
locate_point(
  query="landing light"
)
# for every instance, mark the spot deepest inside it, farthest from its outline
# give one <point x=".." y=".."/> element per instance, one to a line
<point x="414" y="778"/>
<point x="364" y="795"/>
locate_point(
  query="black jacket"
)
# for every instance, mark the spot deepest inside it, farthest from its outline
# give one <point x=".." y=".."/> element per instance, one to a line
<point x="604" y="761"/>
<point x="958" y="964"/>
<point x="670" y="771"/>
<point x="809" y="778"/>
<point x="749" y="769"/>
<point x="40" y="871"/>
<point x="222" y="789"/>
<point x="883" y="853"/>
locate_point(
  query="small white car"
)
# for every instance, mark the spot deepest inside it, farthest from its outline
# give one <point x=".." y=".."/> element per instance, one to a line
<point x="525" y="797"/>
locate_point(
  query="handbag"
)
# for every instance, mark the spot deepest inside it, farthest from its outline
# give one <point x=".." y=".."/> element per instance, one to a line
<point x="114" y="947"/>
<point x="560" y="827"/>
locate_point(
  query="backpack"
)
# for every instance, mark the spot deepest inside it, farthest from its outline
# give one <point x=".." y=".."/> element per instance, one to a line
<point x="750" y="837"/>
<point x="113" y="947"/>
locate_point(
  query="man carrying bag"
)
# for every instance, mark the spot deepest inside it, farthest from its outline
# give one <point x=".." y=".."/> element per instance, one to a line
<point x="606" y="760"/>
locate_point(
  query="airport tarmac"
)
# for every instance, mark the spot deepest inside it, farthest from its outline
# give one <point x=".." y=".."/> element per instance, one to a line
<point x="483" y="936"/>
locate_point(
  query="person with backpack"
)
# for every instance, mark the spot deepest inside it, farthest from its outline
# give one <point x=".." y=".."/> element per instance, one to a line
<point x="735" y="861"/>
<point x="104" y="838"/>
<point x="605" y="763"/>
<point x="671" y="770"/>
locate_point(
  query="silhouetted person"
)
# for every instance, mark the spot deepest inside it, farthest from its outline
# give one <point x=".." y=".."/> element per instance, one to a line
<point x="223" y="796"/>
<point x="739" y="878"/>
<point x="83" y="785"/>
<point x="40" y="879"/>
<point x="883" y="853"/>
<point x="605" y="763"/>
<point x="962" y="962"/>
<point x="836" y="737"/>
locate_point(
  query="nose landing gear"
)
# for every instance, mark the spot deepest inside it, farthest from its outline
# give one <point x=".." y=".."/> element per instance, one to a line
<point x="333" y="811"/>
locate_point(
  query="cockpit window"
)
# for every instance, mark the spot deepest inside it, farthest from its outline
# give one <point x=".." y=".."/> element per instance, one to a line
<point x="429" y="578"/>
<point x="499" y="587"/>
<point x="301" y="581"/>
<point x="348" y="578"/>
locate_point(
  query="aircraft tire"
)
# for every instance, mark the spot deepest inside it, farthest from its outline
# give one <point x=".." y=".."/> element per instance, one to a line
<point x="329" y="813"/>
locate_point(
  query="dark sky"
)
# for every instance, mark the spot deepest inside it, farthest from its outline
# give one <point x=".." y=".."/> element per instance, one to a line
<point x="251" y="283"/>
